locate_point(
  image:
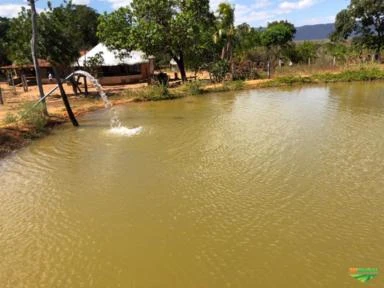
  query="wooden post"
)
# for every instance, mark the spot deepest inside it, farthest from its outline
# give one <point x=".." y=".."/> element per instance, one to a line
<point x="24" y="82"/>
<point x="269" y="70"/>
<point x="1" y="97"/>
<point x="74" y="86"/>
<point x="65" y="98"/>
<point x="85" y="86"/>
<point x="77" y="86"/>
<point x="12" y="82"/>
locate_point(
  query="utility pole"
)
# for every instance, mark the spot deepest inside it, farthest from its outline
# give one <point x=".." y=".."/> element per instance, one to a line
<point x="34" y="53"/>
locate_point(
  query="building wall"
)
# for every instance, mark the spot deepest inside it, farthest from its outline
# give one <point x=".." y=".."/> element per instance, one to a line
<point x="115" y="80"/>
<point x="127" y="79"/>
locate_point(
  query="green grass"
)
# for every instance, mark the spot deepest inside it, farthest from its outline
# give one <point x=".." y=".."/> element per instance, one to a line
<point x="30" y="115"/>
<point x="362" y="74"/>
<point x="152" y="93"/>
<point x="157" y="93"/>
<point x="194" y="88"/>
<point x="287" y="81"/>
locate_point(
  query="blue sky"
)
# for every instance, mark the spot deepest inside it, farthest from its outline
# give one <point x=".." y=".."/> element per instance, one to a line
<point x="254" y="12"/>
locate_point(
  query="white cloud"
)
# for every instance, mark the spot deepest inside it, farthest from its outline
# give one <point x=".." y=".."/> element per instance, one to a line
<point x="261" y="4"/>
<point x="288" y="6"/>
<point x="119" y="3"/>
<point x="81" y="2"/>
<point x="245" y="14"/>
<point x="254" y="13"/>
<point x="10" y="10"/>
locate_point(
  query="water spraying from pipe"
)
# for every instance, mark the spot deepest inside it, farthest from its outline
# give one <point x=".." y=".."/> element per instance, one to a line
<point x="116" y="125"/>
<point x="115" y="121"/>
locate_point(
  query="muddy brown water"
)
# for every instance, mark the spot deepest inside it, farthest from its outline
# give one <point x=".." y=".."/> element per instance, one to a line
<point x="264" y="188"/>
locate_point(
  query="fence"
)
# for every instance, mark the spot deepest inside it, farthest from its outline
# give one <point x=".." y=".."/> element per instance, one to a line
<point x="7" y="94"/>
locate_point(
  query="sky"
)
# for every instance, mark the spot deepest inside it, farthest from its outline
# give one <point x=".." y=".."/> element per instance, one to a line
<point x="254" y="12"/>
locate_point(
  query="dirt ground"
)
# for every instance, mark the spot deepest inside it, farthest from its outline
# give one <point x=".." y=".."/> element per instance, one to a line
<point x="13" y="97"/>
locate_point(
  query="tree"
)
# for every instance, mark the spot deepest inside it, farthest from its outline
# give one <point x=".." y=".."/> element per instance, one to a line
<point x="306" y="51"/>
<point x="364" y="18"/>
<point x="247" y="38"/>
<point x="58" y="47"/>
<point x="19" y="35"/>
<point x="174" y="27"/>
<point x="338" y="51"/>
<point x="277" y="36"/>
<point x="55" y="42"/>
<point x="4" y="28"/>
<point x="226" y="29"/>
<point x="84" y="19"/>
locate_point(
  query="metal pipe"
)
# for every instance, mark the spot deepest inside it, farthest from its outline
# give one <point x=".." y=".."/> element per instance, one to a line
<point x="53" y="90"/>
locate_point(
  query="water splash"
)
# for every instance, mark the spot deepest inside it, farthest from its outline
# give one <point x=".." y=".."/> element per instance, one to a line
<point x="116" y="125"/>
<point x="115" y="121"/>
<point x="124" y="131"/>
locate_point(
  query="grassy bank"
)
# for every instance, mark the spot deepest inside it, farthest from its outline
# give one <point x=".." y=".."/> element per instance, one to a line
<point x="361" y="74"/>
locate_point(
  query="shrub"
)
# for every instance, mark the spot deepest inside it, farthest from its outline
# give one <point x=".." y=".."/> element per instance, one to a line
<point x="10" y="118"/>
<point x="33" y="115"/>
<point x="153" y="93"/>
<point x="194" y="88"/>
<point x="219" y="70"/>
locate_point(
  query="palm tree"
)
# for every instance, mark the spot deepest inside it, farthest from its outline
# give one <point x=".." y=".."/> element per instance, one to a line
<point x="226" y="29"/>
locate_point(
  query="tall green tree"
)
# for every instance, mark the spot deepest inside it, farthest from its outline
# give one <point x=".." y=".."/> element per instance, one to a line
<point x="174" y="27"/>
<point x="307" y="51"/>
<point x="20" y="31"/>
<point x="277" y="36"/>
<point x="57" y="41"/>
<point x="4" y="27"/>
<point x="77" y="22"/>
<point x="364" y="18"/>
<point x="226" y="29"/>
<point x="247" y="38"/>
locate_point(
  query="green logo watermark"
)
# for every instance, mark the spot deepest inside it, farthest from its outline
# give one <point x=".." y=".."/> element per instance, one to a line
<point x="363" y="274"/>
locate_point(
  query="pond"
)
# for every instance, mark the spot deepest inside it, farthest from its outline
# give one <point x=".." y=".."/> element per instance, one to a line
<point x="262" y="188"/>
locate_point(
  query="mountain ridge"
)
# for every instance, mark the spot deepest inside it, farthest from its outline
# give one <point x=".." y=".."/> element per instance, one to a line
<point x="314" y="32"/>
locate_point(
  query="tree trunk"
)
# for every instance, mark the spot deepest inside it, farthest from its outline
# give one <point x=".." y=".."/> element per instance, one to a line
<point x="180" y="64"/>
<point x="223" y="53"/>
<point x="34" y="53"/>
<point x="65" y="98"/>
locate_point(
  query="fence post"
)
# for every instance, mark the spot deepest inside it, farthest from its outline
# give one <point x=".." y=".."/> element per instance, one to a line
<point x="1" y="97"/>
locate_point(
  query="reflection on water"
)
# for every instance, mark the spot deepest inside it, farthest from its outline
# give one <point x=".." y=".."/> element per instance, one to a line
<point x="265" y="188"/>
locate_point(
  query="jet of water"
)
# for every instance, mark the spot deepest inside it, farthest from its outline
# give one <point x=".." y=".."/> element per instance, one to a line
<point x="115" y="121"/>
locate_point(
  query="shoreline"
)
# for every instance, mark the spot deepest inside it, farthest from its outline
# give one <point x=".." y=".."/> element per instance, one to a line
<point x="13" y="137"/>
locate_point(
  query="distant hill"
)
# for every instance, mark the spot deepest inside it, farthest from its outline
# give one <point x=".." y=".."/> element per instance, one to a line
<point x="314" y="32"/>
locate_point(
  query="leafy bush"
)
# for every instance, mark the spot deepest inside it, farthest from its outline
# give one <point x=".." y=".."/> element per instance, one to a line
<point x="33" y="115"/>
<point x="363" y="74"/>
<point x="219" y="70"/>
<point x="153" y="93"/>
<point x="10" y="118"/>
<point x="194" y="88"/>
